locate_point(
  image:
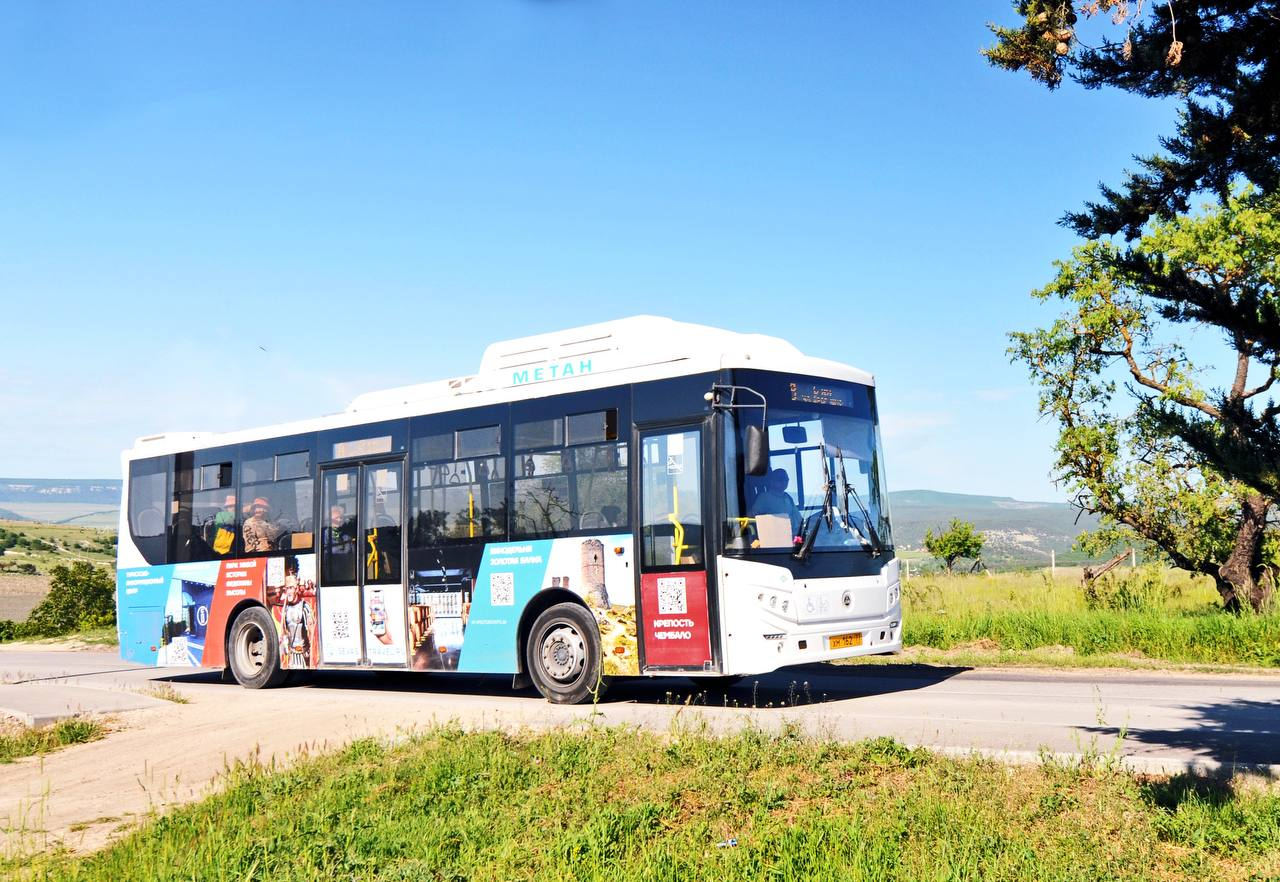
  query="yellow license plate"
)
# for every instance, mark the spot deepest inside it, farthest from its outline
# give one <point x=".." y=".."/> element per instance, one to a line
<point x="844" y="641"/>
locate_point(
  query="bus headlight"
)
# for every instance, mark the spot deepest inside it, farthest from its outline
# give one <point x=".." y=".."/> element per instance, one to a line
<point x="892" y="599"/>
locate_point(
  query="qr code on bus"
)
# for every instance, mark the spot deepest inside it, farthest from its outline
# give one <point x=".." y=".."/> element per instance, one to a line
<point x="671" y="597"/>
<point x="340" y="626"/>
<point x="502" y="589"/>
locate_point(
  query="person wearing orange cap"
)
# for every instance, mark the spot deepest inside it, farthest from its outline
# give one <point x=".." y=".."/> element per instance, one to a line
<point x="259" y="533"/>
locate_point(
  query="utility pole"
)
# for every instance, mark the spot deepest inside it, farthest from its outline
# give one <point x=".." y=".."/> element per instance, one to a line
<point x="1053" y="563"/>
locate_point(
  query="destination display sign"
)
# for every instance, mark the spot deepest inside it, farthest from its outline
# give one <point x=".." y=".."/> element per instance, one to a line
<point x="822" y="393"/>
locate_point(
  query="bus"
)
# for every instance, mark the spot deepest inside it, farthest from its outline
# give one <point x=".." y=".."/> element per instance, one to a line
<point x="638" y="498"/>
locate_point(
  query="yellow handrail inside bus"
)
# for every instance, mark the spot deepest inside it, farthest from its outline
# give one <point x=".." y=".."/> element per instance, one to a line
<point x="371" y="562"/>
<point x="471" y="514"/>
<point x="677" y="536"/>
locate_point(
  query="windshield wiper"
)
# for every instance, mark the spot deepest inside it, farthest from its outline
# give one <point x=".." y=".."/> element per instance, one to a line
<point x="805" y="548"/>
<point x="877" y="545"/>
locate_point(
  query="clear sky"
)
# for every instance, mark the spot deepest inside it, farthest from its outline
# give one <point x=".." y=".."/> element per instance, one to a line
<point x="218" y="215"/>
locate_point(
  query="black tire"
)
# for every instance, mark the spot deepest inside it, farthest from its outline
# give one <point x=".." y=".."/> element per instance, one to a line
<point x="562" y="655"/>
<point x="253" y="652"/>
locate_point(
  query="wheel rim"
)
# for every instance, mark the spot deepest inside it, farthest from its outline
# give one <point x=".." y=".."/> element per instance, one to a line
<point x="564" y="653"/>
<point x="251" y="649"/>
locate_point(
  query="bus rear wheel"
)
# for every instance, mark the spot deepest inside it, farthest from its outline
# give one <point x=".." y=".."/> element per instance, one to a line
<point x="253" y="652"/>
<point x="562" y="654"/>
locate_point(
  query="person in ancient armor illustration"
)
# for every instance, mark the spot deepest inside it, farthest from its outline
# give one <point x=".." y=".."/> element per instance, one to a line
<point x="297" y="620"/>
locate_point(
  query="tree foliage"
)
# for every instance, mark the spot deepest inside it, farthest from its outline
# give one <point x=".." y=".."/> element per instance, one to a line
<point x="1184" y="464"/>
<point x="957" y="541"/>
<point x="80" y="596"/>
<point x="1215" y="57"/>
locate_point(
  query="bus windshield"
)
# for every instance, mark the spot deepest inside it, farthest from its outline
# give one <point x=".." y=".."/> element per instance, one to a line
<point x="825" y="474"/>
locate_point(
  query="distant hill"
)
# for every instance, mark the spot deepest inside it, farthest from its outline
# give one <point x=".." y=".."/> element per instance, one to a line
<point x="88" y="503"/>
<point x="100" y="492"/>
<point x="1017" y="532"/>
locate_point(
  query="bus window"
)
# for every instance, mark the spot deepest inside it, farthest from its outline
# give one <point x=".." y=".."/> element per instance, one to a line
<point x="381" y="550"/>
<point x="671" y="501"/>
<point x="276" y="504"/>
<point x="338" y="536"/>
<point x="543" y="506"/>
<point x="204" y="511"/>
<point x="562" y="489"/>
<point x="148" y="489"/>
<point x="458" y="499"/>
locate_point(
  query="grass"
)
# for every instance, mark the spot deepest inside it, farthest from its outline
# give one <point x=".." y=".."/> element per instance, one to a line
<point x="70" y="543"/>
<point x="165" y="692"/>
<point x="619" y="804"/>
<point x="19" y="741"/>
<point x="1137" y="617"/>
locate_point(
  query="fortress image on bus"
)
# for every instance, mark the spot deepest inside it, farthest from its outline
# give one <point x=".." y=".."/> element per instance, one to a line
<point x="642" y="497"/>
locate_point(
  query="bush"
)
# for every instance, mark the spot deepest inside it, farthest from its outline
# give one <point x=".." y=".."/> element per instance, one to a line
<point x="80" y="596"/>
<point x="1135" y="590"/>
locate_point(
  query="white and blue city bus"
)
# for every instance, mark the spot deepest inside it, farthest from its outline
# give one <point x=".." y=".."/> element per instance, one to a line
<point x="642" y="497"/>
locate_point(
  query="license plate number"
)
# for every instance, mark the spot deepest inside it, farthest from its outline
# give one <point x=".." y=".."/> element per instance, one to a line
<point x="844" y="641"/>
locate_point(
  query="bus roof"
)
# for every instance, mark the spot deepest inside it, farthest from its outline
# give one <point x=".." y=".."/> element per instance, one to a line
<point x="628" y="350"/>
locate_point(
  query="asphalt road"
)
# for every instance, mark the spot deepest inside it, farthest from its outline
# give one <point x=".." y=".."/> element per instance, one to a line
<point x="165" y="752"/>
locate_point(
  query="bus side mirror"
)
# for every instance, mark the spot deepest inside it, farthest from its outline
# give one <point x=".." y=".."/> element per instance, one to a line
<point x="757" y="452"/>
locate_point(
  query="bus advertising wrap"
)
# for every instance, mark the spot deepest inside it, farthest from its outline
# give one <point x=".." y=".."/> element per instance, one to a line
<point x="458" y="614"/>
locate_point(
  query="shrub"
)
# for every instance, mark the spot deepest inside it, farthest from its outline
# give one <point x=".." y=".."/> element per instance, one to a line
<point x="80" y="596"/>
<point x="1138" y="590"/>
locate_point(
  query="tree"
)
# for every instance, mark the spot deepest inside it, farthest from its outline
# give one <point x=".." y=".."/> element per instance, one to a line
<point x="1182" y="464"/>
<point x="1216" y="57"/>
<point x="80" y="596"/>
<point x="957" y="541"/>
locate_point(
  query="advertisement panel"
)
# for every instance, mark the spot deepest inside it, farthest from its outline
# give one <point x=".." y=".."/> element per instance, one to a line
<point x="677" y="630"/>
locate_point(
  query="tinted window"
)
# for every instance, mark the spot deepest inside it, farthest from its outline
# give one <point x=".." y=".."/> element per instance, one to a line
<point x="381" y="547"/>
<point x="213" y="477"/>
<point x="148" y="495"/>
<point x="338" y="537"/>
<point x="433" y="448"/>
<point x="671" y="501"/>
<point x="293" y="465"/>
<point x="539" y="433"/>
<point x="570" y="489"/>
<point x="458" y="501"/>
<point x="479" y="442"/>
<point x="585" y="428"/>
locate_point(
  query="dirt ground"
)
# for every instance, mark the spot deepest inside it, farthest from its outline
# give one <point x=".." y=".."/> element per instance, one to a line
<point x="20" y="594"/>
<point x="168" y="753"/>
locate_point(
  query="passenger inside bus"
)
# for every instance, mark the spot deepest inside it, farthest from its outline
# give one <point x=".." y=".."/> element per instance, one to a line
<point x="260" y="533"/>
<point x="775" y="499"/>
<point x="224" y="526"/>
<point x="338" y="542"/>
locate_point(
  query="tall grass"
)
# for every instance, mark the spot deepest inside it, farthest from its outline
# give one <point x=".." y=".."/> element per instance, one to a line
<point x="618" y="804"/>
<point x="19" y="741"/>
<point x="1165" y="615"/>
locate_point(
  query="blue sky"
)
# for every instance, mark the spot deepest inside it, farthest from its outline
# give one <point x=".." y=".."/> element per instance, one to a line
<point x="374" y="192"/>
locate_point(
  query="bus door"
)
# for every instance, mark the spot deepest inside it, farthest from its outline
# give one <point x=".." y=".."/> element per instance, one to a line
<point x="362" y="584"/>
<point x="675" y="604"/>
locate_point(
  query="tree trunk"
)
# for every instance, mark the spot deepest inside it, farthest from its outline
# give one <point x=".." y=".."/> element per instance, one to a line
<point x="1245" y="559"/>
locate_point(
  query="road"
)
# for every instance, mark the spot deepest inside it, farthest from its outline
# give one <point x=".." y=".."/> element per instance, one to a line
<point x="163" y="753"/>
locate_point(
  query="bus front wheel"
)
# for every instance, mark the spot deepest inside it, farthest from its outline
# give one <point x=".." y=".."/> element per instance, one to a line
<point x="562" y="654"/>
<point x="253" y="652"/>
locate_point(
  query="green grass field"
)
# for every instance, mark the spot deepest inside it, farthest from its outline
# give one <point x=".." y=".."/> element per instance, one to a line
<point x="617" y="804"/>
<point x="68" y="543"/>
<point x="1143" y="615"/>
